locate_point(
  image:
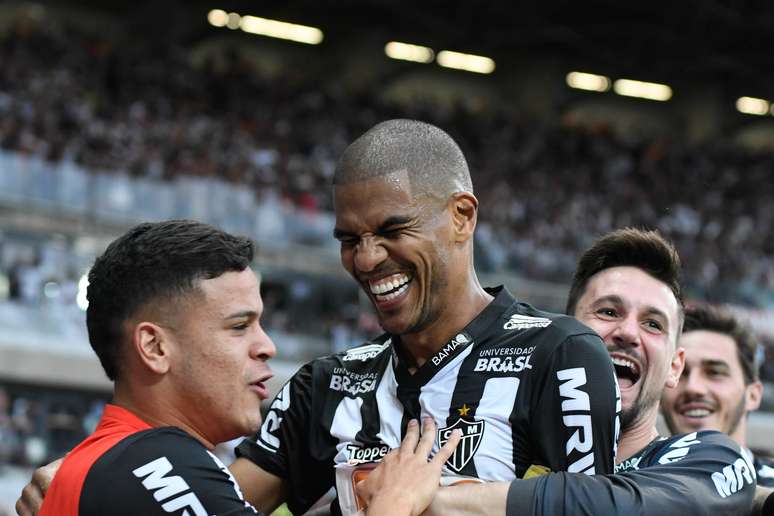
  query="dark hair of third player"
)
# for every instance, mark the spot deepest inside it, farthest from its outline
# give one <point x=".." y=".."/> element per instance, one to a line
<point x="645" y="250"/>
<point x="721" y="321"/>
<point x="154" y="262"/>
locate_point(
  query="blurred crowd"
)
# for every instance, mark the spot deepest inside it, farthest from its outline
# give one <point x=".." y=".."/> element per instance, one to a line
<point x="39" y="425"/>
<point x="546" y="188"/>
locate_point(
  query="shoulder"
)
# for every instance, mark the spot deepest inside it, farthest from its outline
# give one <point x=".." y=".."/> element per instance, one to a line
<point x="551" y="326"/>
<point x="161" y="468"/>
<point x="709" y="447"/>
<point x="169" y="442"/>
<point x="764" y="469"/>
<point x="364" y="355"/>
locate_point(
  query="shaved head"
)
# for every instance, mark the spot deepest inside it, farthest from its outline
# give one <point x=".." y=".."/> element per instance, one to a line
<point x="432" y="160"/>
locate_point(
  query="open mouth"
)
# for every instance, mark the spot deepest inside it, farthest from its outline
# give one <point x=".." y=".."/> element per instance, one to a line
<point x="389" y="288"/>
<point x="260" y="388"/>
<point x="627" y="371"/>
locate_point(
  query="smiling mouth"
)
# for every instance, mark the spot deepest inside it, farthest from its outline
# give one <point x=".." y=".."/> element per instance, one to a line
<point x="627" y="371"/>
<point x="389" y="288"/>
<point x="696" y="412"/>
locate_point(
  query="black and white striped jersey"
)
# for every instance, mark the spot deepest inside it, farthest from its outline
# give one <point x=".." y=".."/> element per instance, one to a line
<point x="699" y="473"/>
<point x="525" y="386"/>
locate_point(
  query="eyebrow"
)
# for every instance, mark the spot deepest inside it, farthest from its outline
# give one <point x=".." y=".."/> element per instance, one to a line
<point x="244" y="313"/>
<point x="394" y="220"/>
<point x="616" y="299"/>
<point x="709" y="362"/>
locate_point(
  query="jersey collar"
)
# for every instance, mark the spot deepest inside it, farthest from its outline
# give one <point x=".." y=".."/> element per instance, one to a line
<point x="472" y="333"/>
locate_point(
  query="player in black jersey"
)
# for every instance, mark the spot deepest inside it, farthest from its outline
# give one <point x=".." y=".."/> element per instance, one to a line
<point x="626" y="287"/>
<point x="719" y="386"/>
<point x="529" y="389"/>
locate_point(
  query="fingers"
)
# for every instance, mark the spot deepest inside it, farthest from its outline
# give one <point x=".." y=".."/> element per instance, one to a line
<point x="446" y="451"/>
<point x="31" y="499"/>
<point x="410" y="441"/>
<point x="428" y="437"/>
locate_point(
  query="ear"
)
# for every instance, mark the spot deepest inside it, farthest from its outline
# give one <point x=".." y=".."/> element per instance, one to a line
<point x="464" y="212"/>
<point x="753" y="395"/>
<point x="152" y="345"/>
<point x="676" y="368"/>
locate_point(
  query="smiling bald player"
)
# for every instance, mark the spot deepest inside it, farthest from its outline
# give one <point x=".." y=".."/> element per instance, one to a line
<point x="530" y="390"/>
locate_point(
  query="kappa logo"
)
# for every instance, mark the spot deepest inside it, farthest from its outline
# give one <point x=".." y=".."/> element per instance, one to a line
<point x="364" y="353"/>
<point x="525" y="322"/>
<point x="679" y="449"/>
<point x="472" y="431"/>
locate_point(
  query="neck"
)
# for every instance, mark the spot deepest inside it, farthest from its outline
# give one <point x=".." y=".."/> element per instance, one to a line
<point x="153" y="408"/>
<point x="463" y="307"/>
<point x="740" y="432"/>
<point x="637" y="436"/>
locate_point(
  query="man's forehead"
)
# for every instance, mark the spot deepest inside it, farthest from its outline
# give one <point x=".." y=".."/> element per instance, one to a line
<point x="634" y="288"/>
<point x="705" y="344"/>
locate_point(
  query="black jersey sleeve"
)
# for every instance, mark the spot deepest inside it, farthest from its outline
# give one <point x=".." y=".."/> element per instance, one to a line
<point x="704" y="476"/>
<point x="576" y="412"/>
<point x="287" y="446"/>
<point x="158" y="472"/>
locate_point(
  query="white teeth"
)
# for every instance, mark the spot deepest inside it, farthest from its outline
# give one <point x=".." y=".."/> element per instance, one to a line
<point x="393" y="295"/>
<point x="697" y="413"/>
<point x="391" y="283"/>
<point x="624" y="363"/>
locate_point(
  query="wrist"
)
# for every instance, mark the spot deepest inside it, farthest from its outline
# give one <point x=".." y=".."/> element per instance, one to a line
<point x="383" y="503"/>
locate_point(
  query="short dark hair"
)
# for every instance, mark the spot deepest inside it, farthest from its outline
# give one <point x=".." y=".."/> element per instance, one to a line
<point x="708" y="318"/>
<point x="154" y="262"/>
<point x="645" y="250"/>
<point x="431" y="158"/>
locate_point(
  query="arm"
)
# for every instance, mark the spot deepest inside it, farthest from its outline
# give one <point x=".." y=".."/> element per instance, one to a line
<point x="290" y="459"/>
<point x="405" y="482"/>
<point x="262" y="489"/>
<point x="576" y="423"/>
<point x="700" y="482"/>
<point x="488" y="499"/>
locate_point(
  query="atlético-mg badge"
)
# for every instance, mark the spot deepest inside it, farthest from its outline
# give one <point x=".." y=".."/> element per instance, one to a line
<point x="472" y="430"/>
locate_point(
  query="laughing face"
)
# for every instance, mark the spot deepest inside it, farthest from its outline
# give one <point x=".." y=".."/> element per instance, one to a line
<point x="638" y="318"/>
<point x="712" y="394"/>
<point x="398" y="247"/>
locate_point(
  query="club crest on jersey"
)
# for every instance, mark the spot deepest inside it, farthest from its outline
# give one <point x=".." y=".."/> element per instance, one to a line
<point x="525" y="322"/>
<point x="472" y="431"/>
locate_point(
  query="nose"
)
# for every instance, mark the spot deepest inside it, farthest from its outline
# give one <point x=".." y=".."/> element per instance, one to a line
<point x="627" y="332"/>
<point x="263" y="347"/>
<point x="692" y="382"/>
<point x="369" y="254"/>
